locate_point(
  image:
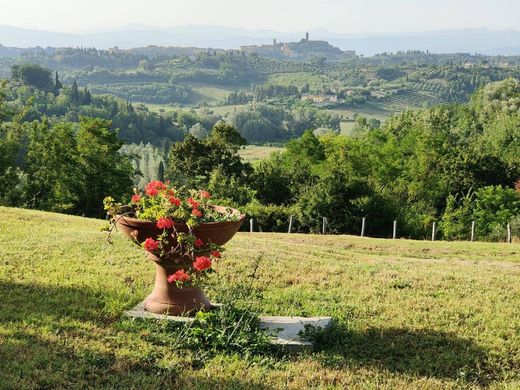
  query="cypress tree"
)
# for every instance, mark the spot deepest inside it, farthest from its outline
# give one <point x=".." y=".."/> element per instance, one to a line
<point x="57" y="85"/>
<point x="160" y="173"/>
<point x="74" y="94"/>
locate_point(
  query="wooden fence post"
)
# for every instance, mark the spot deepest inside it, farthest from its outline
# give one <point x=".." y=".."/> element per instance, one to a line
<point x="363" y="223"/>
<point x="251" y="227"/>
<point x="394" y="230"/>
<point x="434" y="230"/>
<point x="324" y="226"/>
<point x="290" y="224"/>
<point x="509" y="238"/>
<point x="472" y="230"/>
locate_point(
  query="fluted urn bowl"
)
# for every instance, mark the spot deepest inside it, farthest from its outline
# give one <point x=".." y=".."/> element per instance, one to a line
<point x="167" y="298"/>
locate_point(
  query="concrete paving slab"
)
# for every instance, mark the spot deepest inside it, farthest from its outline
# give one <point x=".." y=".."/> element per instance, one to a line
<point x="287" y="329"/>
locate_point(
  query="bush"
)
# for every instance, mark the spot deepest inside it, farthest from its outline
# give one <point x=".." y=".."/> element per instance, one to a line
<point x="268" y="218"/>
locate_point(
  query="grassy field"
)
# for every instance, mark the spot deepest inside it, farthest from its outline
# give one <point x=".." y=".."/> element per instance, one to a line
<point x="299" y="79"/>
<point x="212" y="93"/>
<point x="252" y="153"/>
<point x="411" y="314"/>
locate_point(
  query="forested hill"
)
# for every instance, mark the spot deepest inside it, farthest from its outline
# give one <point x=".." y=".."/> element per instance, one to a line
<point x="450" y="164"/>
<point x="37" y="92"/>
<point x="173" y="76"/>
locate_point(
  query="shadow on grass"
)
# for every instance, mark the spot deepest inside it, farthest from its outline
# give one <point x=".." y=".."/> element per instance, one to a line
<point x="424" y="353"/>
<point x="32" y="301"/>
<point x="49" y="310"/>
<point x="48" y="340"/>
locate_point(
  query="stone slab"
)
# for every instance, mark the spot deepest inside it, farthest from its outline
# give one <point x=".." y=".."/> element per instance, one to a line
<point x="287" y="329"/>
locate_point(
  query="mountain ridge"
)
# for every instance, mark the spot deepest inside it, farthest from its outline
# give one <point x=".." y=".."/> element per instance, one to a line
<point x="468" y="40"/>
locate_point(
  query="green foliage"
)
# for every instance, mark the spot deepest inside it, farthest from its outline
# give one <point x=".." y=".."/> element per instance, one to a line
<point x="494" y="207"/>
<point x="192" y="161"/>
<point x="146" y="161"/>
<point x="268" y="218"/>
<point x="105" y="171"/>
<point x="457" y="217"/>
<point x="54" y="169"/>
<point x="225" y="330"/>
<point x="136" y="123"/>
<point x="228" y="190"/>
<point x="34" y="75"/>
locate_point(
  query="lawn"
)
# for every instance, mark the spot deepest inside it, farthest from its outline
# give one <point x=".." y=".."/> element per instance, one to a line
<point x="409" y="314"/>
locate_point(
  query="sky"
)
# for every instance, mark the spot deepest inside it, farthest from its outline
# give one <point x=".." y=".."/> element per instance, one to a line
<point x="342" y="16"/>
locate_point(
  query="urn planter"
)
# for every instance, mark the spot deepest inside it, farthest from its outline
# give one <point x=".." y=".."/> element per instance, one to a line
<point x="167" y="298"/>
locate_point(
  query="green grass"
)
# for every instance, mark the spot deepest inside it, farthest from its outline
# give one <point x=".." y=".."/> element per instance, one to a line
<point x="224" y="110"/>
<point x="410" y="314"/>
<point x="299" y="79"/>
<point x="252" y="153"/>
<point x="212" y="93"/>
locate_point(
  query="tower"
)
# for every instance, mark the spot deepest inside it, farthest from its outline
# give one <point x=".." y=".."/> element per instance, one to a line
<point x="306" y="37"/>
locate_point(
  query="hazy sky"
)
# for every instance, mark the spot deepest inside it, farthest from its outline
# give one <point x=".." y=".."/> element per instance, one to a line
<point x="347" y="16"/>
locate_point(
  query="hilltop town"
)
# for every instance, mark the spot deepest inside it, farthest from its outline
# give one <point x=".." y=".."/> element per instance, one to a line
<point x="303" y="50"/>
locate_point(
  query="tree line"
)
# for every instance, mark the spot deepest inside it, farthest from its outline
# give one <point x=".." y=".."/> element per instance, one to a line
<point x="451" y="164"/>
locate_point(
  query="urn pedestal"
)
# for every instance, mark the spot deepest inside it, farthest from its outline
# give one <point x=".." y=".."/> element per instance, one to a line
<point x="167" y="298"/>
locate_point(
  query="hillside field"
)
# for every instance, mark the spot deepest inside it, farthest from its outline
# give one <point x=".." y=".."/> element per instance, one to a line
<point x="410" y="314"/>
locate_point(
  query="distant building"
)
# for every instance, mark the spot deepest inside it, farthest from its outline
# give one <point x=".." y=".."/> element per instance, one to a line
<point x="319" y="98"/>
<point x="303" y="50"/>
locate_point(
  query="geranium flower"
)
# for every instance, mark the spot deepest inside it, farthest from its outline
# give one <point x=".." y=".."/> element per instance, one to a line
<point x="196" y="213"/>
<point x="179" y="276"/>
<point x="193" y="203"/>
<point x="199" y="243"/>
<point x="201" y="263"/>
<point x="216" y="254"/>
<point x="175" y="201"/>
<point x="150" y="244"/>
<point x="136" y="198"/>
<point x="152" y="191"/>
<point x="164" y="223"/>
<point x="205" y="194"/>
<point x="153" y="188"/>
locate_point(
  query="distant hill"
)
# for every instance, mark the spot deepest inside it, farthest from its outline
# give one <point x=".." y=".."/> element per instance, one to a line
<point x="506" y="42"/>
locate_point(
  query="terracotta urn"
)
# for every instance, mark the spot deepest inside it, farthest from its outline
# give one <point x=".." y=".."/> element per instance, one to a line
<point x="167" y="298"/>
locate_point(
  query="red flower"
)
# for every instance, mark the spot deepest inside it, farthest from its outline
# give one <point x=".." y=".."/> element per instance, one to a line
<point x="216" y="254"/>
<point x="164" y="223"/>
<point x="201" y="263"/>
<point x="150" y="244"/>
<point x="154" y="187"/>
<point x="179" y="276"/>
<point x="193" y="203"/>
<point x="170" y="192"/>
<point x="205" y="194"/>
<point x="136" y="198"/>
<point x="196" y="213"/>
<point x="175" y="201"/>
<point x="199" y="243"/>
<point x="151" y="191"/>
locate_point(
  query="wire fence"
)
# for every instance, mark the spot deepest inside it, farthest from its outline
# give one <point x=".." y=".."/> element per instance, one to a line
<point x="324" y="229"/>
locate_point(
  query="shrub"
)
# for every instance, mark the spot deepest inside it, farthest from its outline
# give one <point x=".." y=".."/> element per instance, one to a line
<point x="268" y="218"/>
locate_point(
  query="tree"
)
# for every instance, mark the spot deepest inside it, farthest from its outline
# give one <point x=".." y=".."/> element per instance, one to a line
<point x="74" y="92"/>
<point x="55" y="177"/>
<point x="34" y="75"/>
<point x="198" y="131"/>
<point x="160" y="172"/>
<point x="105" y="170"/>
<point x="192" y="161"/>
<point x="57" y="85"/>
<point x="227" y="133"/>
